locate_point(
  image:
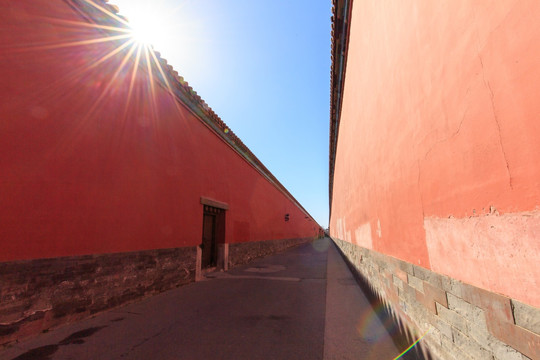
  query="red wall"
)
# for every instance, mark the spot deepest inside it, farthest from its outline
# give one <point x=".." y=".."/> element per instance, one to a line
<point x="85" y="171"/>
<point x="439" y="142"/>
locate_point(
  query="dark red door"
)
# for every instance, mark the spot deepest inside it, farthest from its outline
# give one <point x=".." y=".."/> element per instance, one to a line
<point x="209" y="241"/>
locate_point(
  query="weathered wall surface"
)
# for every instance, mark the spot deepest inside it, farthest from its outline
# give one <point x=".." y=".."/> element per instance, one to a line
<point x="99" y="161"/>
<point x="460" y="321"/>
<point x="437" y="162"/>
<point x="438" y="139"/>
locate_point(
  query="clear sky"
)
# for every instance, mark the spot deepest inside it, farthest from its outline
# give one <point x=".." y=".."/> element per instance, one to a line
<point x="264" y="67"/>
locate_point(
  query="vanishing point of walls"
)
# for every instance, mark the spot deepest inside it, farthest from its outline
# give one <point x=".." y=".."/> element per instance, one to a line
<point x="435" y="167"/>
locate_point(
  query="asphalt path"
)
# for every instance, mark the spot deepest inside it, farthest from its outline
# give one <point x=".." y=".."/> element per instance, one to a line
<point x="300" y="304"/>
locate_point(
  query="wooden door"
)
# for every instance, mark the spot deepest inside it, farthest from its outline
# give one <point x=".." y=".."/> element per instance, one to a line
<point x="208" y="246"/>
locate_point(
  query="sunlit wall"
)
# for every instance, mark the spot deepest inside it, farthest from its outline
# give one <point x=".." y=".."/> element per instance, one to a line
<point x="96" y="154"/>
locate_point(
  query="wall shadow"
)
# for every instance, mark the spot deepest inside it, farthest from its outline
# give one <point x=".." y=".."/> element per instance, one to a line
<point x="401" y="334"/>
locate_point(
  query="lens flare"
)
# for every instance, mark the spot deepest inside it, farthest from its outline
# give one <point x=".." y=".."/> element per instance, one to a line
<point x="412" y="345"/>
<point x="370" y="326"/>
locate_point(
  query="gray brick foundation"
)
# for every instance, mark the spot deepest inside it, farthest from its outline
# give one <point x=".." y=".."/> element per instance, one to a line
<point x="461" y="320"/>
<point x="242" y="253"/>
<point x="38" y="294"/>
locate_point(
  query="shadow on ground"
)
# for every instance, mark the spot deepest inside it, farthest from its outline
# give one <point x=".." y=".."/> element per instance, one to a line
<point x="44" y="352"/>
<point x="402" y="336"/>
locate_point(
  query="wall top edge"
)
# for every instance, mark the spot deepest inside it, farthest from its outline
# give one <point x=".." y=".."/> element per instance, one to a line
<point x="341" y="20"/>
<point x="102" y="13"/>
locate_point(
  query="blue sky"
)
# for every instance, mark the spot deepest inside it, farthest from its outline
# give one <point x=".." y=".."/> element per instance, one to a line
<point x="264" y="68"/>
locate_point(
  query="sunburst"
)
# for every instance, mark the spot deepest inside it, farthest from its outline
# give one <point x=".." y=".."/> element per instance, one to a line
<point x="138" y="34"/>
<point x="132" y="41"/>
<point x="130" y="66"/>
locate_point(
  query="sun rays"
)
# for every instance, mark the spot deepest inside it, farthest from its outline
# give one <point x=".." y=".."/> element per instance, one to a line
<point x="119" y="77"/>
<point x="131" y="51"/>
<point x="139" y="44"/>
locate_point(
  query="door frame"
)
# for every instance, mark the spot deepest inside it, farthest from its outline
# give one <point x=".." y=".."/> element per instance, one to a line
<point x="222" y="261"/>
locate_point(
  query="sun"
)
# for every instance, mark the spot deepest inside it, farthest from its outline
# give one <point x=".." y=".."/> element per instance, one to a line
<point x="152" y="24"/>
<point x="144" y="33"/>
<point x="147" y="29"/>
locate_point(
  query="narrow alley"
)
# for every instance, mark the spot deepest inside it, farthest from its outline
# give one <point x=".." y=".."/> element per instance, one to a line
<point x="138" y="219"/>
<point x="303" y="303"/>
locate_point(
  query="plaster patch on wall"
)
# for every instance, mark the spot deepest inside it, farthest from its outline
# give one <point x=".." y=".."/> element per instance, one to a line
<point x="498" y="253"/>
<point x="340" y="231"/>
<point x="379" y="231"/>
<point x="363" y="236"/>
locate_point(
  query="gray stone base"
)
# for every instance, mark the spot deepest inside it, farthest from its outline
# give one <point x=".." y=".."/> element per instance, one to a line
<point x="460" y="321"/>
<point x="38" y="294"/>
<point x="242" y="253"/>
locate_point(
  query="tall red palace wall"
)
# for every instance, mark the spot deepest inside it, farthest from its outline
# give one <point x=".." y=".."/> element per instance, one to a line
<point x="93" y="164"/>
<point x="80" y="178"/>
<point x="437" y="162"/>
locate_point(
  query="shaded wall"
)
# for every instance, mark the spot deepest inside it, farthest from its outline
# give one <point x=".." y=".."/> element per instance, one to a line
<point x="436" y="159"/>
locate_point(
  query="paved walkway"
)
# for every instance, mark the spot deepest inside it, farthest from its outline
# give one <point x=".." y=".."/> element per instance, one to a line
<point x="300" y="304"/>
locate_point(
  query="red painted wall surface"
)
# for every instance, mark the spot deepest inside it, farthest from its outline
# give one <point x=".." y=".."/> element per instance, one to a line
<point x="84" y="170"/>
<point x="440" y="136"/>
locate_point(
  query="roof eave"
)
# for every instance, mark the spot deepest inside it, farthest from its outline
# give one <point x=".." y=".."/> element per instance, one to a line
<point x="341" y="20"/>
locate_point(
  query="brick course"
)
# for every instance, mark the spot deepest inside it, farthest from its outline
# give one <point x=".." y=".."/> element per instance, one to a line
<point x="242" y="253"/>
<point x="39" y="294"/>
<point x="526" y="316"/>
<point x="36" y="295"/>
<point x="464" y="322"/>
